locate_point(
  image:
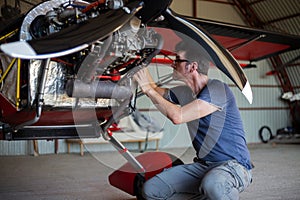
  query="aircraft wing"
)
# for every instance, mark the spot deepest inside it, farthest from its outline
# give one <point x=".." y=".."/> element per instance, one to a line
<point x="246" y="43"/>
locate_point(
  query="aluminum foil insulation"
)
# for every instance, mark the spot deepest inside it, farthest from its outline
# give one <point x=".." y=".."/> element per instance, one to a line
<point x="55" y="94"/>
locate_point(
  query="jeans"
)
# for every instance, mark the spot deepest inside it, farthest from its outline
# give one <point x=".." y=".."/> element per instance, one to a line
<point x="214" y="181"/>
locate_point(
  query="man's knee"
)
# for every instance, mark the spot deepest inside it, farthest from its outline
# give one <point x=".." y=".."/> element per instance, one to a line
<point x="155" y="188"/>
<point x="216" y="186"/>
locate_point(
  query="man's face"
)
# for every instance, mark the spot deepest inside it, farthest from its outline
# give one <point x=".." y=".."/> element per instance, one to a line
<point x="180" y="67"/>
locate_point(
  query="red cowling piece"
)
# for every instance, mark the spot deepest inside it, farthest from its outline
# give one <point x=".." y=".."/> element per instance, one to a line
<point x="126" y="178"/>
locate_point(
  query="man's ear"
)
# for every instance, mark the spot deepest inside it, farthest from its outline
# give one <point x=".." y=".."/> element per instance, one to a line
<point x="194" y="66"/>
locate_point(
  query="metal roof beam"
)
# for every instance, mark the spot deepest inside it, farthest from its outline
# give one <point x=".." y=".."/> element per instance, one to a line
<point x="282" y="19"/>
<point x="255" y="2"/>
<point x="249" y="15"/>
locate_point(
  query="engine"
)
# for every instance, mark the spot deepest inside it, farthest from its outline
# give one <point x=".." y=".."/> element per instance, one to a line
<point x="106" y="60"/>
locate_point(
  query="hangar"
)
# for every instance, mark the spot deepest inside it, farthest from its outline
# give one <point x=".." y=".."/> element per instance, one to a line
<point x="262" y="35"/>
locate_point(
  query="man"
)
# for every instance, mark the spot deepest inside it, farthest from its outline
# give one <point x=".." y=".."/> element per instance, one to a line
<point x="222" y="168"/>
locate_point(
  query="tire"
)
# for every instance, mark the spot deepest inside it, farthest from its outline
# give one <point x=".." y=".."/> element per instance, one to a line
<point x="265" y="134"/>
<point x="139" y="182"/>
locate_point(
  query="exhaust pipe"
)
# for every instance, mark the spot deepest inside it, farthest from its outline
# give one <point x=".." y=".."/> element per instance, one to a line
<point x="97" y="89"/>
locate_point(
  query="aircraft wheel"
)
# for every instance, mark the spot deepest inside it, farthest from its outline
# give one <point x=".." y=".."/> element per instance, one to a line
<point x="138" y="186"/>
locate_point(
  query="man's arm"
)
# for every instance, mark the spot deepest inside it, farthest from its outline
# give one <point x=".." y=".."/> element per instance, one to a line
<point x="194" y="110"/>
<point x="159" y="90"/>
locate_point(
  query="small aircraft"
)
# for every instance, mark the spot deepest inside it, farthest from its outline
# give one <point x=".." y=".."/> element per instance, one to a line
<point x="67" y="71"/>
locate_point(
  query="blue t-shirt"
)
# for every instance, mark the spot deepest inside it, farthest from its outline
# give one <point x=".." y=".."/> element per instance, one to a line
<point x="219" y="136"/>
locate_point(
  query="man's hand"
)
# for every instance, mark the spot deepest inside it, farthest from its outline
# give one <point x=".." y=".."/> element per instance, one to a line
<point x="142" y="78"/>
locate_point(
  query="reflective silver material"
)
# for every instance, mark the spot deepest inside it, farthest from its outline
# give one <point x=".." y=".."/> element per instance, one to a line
<point x="55" y="94"/>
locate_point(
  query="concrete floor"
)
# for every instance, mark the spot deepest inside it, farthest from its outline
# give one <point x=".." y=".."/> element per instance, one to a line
<point x="70" y="176"/>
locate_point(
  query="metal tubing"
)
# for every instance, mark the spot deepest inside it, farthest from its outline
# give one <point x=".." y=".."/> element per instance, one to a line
<point x="126" y="154"/>
<point x="18" y="83"/>
<point x="40" y="96"/>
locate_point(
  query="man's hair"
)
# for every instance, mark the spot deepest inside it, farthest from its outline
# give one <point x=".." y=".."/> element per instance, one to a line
<point x="194" y="53"/>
